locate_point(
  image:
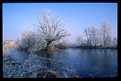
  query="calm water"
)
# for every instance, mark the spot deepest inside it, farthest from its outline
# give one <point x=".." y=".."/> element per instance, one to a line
<point x="87" y="63"/>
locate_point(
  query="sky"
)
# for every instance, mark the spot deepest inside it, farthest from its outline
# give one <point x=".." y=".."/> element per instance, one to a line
<point x="76" y="16"/>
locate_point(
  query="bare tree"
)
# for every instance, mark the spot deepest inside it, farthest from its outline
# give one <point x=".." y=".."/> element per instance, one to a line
<point x="51" y="28"/>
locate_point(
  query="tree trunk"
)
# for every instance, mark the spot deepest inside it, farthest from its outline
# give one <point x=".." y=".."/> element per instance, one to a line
<point x="46" y="49"/>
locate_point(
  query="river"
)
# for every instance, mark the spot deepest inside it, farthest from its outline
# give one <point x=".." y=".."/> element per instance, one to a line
<point x="87" y="63"/>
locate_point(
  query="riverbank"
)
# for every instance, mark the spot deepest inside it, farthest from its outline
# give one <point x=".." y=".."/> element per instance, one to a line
<point x="14" y="68"/>
<point x="94" y="47"/>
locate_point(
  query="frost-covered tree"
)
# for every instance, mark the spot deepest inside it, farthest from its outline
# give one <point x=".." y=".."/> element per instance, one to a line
<point x="51" y="27"/>
<point x="25" y="41"/>
<point x="80" y="40"/>
<point x="106" y="34"/>
<point x="65" y="42"/>
<point x="92" y="35"/>
<point x="88" y="35"/>
<point x="114" y="42"/>
<point x="29" y="41"/>
<point x="100" y="37"/>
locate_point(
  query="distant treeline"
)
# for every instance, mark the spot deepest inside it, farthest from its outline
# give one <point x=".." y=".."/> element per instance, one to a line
<point x="97" y="37"/>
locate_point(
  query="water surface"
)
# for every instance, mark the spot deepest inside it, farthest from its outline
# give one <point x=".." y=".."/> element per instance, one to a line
<point x="87" y="63"/>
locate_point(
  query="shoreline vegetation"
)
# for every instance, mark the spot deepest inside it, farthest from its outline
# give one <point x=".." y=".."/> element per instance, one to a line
<point x="95" y="47"/>
<point x="55" y="48"/>
<point x="65" y="47"/>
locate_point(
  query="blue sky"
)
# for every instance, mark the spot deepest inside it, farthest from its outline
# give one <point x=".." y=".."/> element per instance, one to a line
<point x="77" y="16"/>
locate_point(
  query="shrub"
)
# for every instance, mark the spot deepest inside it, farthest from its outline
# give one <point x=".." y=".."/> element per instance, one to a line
<point x="30" y="42"/>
